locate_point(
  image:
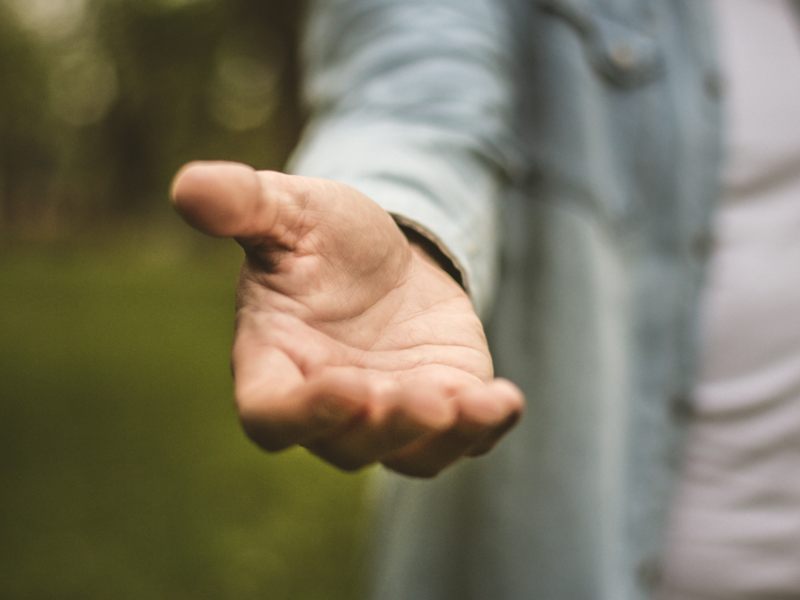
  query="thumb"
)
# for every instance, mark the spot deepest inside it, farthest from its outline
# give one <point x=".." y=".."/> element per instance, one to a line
<point x="223" y="199"/>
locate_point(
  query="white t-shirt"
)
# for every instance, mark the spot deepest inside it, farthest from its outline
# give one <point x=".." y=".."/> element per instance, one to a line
<point x="736" y="525"/>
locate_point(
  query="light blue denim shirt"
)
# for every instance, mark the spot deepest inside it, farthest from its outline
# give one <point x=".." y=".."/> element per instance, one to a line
<point x="565" y="154"/>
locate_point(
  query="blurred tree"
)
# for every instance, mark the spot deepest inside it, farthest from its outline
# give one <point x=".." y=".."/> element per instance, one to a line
<point x="25" y="151"/>
<point x="108" y="98"/>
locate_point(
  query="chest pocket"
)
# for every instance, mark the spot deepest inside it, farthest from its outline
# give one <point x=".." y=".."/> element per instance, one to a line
<point x="622" y="55"/>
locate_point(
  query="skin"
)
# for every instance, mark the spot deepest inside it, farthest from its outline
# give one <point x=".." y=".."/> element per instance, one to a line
<point x="349" y="341"/>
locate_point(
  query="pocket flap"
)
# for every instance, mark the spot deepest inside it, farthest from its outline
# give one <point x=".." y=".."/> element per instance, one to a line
<point x="621" y="54"/>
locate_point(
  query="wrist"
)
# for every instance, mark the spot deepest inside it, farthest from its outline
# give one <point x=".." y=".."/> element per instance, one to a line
<point x="431" y="252"/>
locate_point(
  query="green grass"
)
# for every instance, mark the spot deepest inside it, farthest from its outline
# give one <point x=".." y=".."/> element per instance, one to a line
<point x="124" y="471"/>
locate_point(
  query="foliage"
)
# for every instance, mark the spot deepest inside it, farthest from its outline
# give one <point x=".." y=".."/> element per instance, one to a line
<point x="125" y="474"/>
<point x="104" y="100"/>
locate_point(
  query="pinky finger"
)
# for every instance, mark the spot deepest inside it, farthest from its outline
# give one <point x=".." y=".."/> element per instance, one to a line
<point x="510" y="396"/>
<point x="485" y="415"/>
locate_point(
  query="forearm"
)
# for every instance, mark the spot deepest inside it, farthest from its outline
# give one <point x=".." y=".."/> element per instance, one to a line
<point x="411" y="106"/>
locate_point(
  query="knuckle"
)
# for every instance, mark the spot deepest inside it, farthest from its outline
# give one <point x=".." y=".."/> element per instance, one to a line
<point x="247" y="399"/>
<point x="264" y="437"/>
<point x="341" y="459"/>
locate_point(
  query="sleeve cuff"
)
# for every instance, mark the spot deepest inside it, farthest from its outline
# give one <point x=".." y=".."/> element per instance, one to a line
<point x="426" y="240"/>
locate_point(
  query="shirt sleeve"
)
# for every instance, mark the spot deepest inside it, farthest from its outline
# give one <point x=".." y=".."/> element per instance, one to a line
<point x="410" y="104"/>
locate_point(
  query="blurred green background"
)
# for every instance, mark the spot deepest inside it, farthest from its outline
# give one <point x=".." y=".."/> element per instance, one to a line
<point x="124" y="472"/>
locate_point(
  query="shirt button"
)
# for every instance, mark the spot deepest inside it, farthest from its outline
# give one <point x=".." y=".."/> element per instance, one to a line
<point x="702" y="245"/>
<point x="682" y="408"/>
<point x="622" y="56"/>
<point x="713" y="85"/>
<point x="648" y="574"/>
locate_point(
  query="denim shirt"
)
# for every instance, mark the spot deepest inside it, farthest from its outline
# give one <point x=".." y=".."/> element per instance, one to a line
<point x="565" y="155"/>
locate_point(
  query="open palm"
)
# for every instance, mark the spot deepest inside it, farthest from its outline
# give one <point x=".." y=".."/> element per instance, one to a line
<point x="349" y="340"/>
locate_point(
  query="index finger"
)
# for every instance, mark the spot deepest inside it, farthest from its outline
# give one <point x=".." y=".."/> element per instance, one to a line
<point x="280" y="406"/>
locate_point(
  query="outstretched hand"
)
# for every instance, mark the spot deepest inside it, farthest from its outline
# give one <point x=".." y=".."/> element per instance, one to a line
<point x="349" y="340"/>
